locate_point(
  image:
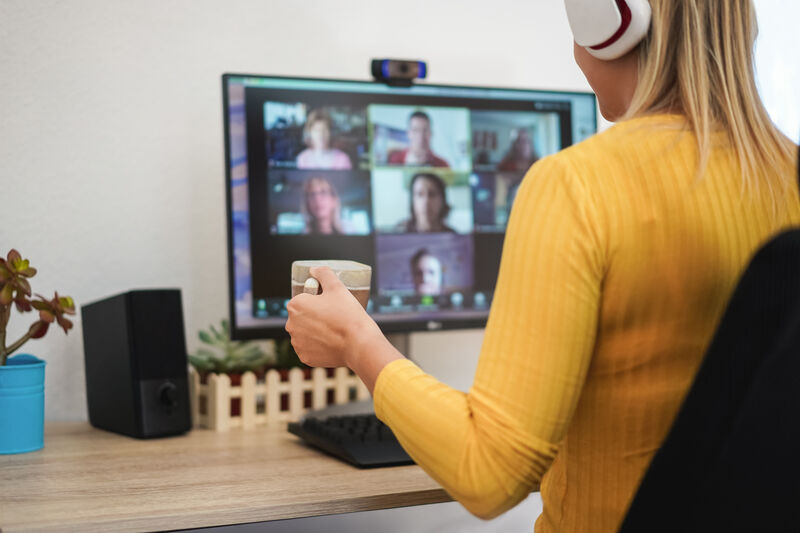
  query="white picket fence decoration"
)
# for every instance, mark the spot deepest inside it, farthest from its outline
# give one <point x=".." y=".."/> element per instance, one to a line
<point x="218" y="392"/>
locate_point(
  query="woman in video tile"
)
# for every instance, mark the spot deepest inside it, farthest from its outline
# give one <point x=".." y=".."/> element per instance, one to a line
<point x="320" y="154"/>
<point x="429" y="208"/>
<point x="321" y="207"/>
<point x="521" y="155"/>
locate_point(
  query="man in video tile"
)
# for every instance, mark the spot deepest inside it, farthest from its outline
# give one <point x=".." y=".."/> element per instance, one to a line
<point x="419" y="152"/>
<point x="426" y="271"/>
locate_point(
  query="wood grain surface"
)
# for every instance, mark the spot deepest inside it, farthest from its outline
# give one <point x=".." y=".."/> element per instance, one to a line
<point x="88" y="480"/>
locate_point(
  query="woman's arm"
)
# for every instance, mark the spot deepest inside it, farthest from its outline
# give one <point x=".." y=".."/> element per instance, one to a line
<point x="490" y="447"/>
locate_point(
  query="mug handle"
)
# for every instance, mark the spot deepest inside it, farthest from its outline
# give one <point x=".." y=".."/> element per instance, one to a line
<point x="312" y="286"/>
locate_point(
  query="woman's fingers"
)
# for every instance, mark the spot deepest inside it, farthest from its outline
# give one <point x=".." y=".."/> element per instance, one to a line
<point x="311" y="286"/>
<point x="295" y="307"/>
<point x="326" y="278"/>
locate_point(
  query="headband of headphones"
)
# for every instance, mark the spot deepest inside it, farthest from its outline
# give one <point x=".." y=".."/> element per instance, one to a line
<point x="609" y="29"/>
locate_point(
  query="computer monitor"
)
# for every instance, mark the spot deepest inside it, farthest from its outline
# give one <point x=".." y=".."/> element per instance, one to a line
<point x="415" y="181"/>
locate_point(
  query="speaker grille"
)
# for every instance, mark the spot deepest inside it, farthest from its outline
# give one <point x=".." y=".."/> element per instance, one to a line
<point x="157" y="333"/>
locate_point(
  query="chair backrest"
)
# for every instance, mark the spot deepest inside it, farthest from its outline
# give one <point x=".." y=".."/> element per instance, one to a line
<point x="731" y="461"/>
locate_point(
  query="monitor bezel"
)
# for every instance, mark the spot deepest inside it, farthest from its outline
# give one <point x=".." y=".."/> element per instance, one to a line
<point x="390" y="326"/>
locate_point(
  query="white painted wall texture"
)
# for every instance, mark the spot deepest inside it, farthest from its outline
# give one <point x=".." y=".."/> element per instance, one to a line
<point x="778" y="62"/>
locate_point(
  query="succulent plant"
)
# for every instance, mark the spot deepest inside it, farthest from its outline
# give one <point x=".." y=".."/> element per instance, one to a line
<point x="16" y="289"/>
<point x="285" y="356"/>
<point x="222" y="355"/>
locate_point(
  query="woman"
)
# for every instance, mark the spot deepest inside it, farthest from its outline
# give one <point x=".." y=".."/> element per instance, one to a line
<point x="521" y="154"/>
<point x="319" y="154"/>
<point x="321" y="207"/>
<point x="428" y="206"/>
<point x="619" y="259"/>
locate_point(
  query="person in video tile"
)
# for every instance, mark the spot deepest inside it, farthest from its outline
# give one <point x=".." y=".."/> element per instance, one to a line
<point x="429" y="208"/>
<point x="419" y="152"/>
<point x="427" y="273"/>
<point x="321" y="207"/>
<point x="521" y="155"/>
<point x="319" y="154"/>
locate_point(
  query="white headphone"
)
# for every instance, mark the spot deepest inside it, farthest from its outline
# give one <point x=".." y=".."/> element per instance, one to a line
<point x="609" y="29"/>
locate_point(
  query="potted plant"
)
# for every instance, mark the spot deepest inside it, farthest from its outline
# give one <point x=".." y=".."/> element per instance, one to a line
<point x="221" y="355"/>
<point x="286" y="359"/>
<point x="225" y="356"/>
<point x="22" y="376"/>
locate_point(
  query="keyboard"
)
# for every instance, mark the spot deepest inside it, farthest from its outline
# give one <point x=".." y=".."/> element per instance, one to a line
<point x="359" y="439"/>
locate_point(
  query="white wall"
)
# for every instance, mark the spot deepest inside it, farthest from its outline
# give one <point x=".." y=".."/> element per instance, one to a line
<point x="778" y="62"/>
<point x="111" y="152"/>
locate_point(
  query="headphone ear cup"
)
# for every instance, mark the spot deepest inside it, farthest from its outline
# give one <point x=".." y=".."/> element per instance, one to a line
<point x="593" y="21"/>
<point x="609" y="29"/>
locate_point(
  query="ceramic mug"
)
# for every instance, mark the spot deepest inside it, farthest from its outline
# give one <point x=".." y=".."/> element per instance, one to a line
<point x="355" y="276"/>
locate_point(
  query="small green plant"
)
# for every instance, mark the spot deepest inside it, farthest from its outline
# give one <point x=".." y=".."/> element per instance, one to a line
<point x="221" y="355"/>
<point x="15" y="289"/>
<point x="285" y="356"/>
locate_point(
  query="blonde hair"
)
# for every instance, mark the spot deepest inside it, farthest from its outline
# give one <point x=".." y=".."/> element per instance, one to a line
<point x="698" y="61"/>
<point x="312" y="224"/>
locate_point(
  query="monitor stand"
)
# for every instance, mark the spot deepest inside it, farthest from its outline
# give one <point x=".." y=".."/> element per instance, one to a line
<point x="402" y="342"/>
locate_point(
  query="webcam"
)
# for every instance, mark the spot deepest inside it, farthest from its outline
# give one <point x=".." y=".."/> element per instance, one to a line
<point x="398" y="72"/>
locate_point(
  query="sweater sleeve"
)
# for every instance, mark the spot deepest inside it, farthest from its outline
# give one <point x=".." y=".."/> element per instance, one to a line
<point x="490" y="447"/>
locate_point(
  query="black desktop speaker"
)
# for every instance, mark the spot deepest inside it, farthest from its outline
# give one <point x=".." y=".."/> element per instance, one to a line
<point x="135" y="355"/>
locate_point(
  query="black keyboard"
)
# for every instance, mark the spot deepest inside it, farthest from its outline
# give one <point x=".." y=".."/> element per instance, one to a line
<point x="361" y="439"/>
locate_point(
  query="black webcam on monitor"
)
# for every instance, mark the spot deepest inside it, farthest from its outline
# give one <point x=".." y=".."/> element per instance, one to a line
<point x="398" y="72"/>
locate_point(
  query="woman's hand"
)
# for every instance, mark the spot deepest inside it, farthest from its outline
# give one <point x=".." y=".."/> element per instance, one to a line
<point x="333" y="330"/>
<point x="326" y="328"/>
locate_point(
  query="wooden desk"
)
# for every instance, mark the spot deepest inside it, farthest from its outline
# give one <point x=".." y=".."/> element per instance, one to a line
<point x="89" y="480"/>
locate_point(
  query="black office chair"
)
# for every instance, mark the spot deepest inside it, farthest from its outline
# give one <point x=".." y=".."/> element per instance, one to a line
<point x="731" y="461"/>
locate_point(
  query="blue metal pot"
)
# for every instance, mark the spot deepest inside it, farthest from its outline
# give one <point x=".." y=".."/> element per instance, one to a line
<point x="22" y="404"/>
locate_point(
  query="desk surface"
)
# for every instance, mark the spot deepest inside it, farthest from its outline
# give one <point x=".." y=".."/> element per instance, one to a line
<point x="90" y="480"/>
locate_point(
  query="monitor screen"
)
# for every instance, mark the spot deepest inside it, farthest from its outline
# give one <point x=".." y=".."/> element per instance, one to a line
<point x="417" y="182"/>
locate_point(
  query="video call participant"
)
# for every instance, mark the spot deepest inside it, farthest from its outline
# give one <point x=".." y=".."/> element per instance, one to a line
<point x="621" y="255"/>
<point x="419" y="152"/>
<point x="427" y="273"/>
<point x="428" y="206"/>
<point x="521" y="154"/>
<point x="319" y="154"/>
<point x="321" y="207"/>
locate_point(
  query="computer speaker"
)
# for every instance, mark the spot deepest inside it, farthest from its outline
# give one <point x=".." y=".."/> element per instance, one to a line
<point x="135" y="358"/>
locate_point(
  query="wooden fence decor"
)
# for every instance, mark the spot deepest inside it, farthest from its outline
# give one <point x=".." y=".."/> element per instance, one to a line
<point x="271" y="401"/>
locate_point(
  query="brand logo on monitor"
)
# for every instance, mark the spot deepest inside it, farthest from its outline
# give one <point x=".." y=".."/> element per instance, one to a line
<point x="432" y="325"/>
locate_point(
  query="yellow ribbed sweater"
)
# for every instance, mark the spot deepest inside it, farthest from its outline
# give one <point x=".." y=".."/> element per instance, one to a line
<point x="617" y="266"/>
